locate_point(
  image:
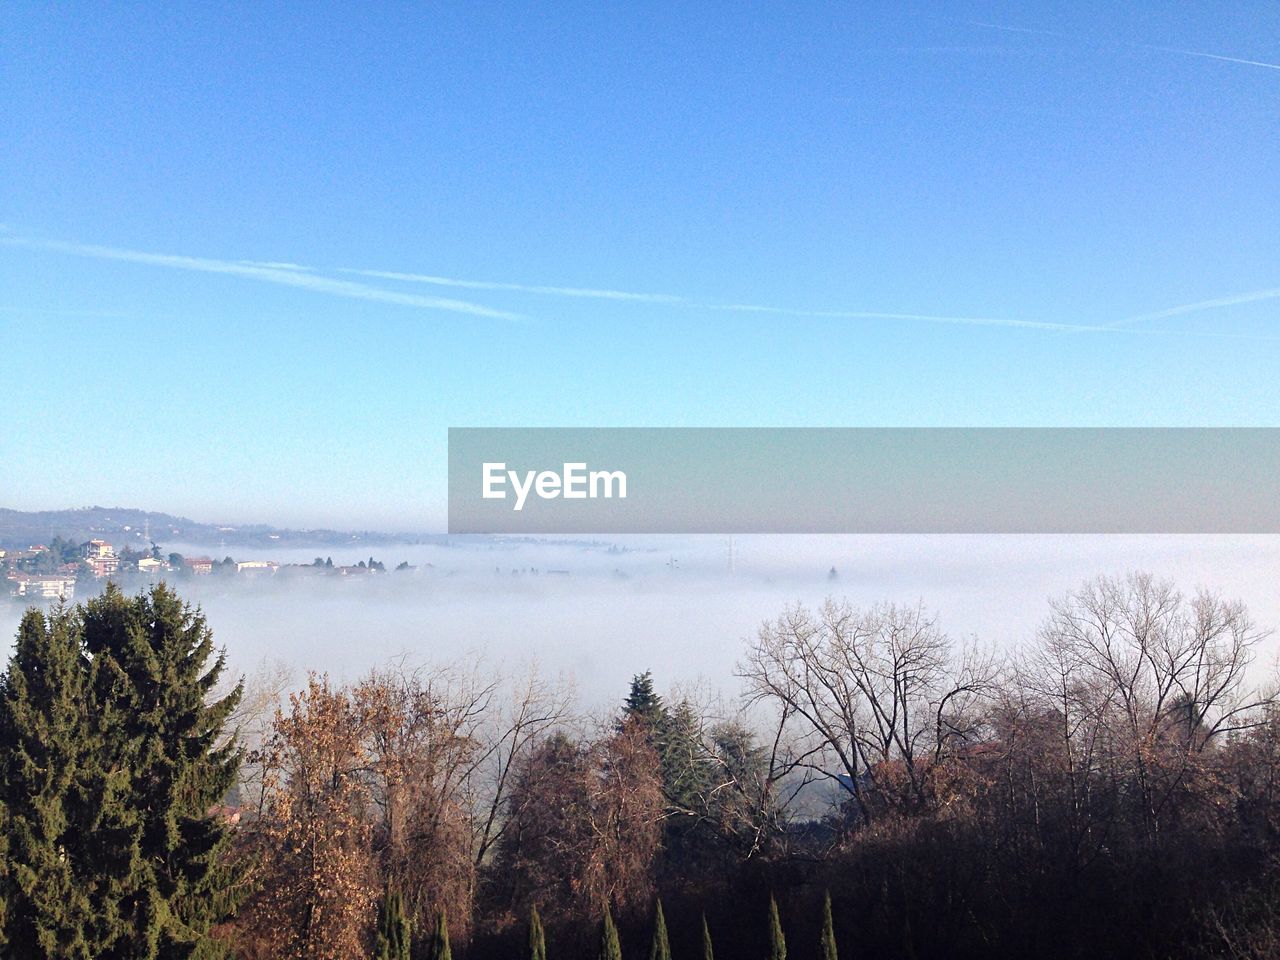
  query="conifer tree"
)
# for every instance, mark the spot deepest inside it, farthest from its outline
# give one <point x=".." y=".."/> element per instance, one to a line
<point x="643" y="702"/>
<point x="537" y="937"/>
<point x="393" y="938"/>
<point x="42" y="750"/>
<point x="155" y="672"/>
<point x="708" y="953"/>
<point x="828" y="930"/>
<point x="777" y="941"/>
<point x="661" y="949"/>
<point x="610" y="947"/>
<point x="439" y="949"/>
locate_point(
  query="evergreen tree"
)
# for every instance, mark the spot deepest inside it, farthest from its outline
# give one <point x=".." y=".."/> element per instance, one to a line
<point x="828" y="930"/>
<point x="644" y="704"/>
<point x="537" y="937"/>
<point x="42" y="750"/>
<point x="661" y="949"/>
<point x="393" y="938"/>
<point x="777" y="941"/>
<point x="439" y="948"/>
<point x="610" y="947"/>
<point x="707" y="952"/>
<point x="160" y="732"/>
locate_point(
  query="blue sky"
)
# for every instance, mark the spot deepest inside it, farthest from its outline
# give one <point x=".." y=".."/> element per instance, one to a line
<point x="642" y="178"/>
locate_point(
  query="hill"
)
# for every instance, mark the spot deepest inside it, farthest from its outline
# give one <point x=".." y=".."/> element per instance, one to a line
<point x="127" y="526"/>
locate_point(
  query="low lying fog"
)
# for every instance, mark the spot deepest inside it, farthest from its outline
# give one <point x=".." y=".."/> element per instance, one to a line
<point x="600" y="613"/>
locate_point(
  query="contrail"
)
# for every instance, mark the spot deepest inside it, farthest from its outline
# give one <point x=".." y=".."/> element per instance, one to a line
<point x="678" y="300"/>
<point x="1128" y="43"/>
<point x="914" y="317"/>
<point x="517" y="287"/>
<point x="1228" y="301"/>
<point x="1213" y="56"/>
<point x="269" y="274"/>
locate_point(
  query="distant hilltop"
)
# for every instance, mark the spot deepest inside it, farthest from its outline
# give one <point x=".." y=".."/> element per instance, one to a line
<point x="128" y="526"/>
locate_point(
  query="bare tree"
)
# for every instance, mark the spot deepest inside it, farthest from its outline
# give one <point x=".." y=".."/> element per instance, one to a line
<point x="1153" y="677"/>
<point x="878" y="696"/>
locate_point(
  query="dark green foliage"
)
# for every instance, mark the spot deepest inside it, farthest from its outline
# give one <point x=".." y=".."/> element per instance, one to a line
<point x="777" y="941"/>
<point x="393" y="939"/>
<point x="537" y="937"/>
<point x="610" y="947"/>
<point x="115" y="759"/>
<point x="661" y="949"/>
<point x="439" y="949"/>
<point x="643" y="702"/>
<point x="708" y="953"/>
<point x="829" y="951"/>
<point x="43" y="754"/>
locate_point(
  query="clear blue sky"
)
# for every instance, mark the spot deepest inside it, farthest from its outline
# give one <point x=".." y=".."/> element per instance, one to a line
<point x="1057" y="166"/>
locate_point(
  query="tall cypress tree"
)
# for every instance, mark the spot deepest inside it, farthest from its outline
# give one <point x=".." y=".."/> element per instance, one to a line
<point x="777" y="941"/>
<point x="661" y="949"/>
<point x="610" y="947"/>
<point x="393" y="939"/>
<point x="153" y="679"/>
<point x="829" y="951"/>
<point x="537" y="937"/>
<point x="42" y="757"/>
<point x="440" y="949"/>
<point x="708" y="953"/>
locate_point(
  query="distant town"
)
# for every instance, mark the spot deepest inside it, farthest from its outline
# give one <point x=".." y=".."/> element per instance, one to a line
<point x="54" y="571"/>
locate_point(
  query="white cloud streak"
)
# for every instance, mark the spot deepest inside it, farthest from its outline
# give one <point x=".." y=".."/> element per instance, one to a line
<point x="914" y="317"/>
<point x="587" y="292"/>
<point x="1185" y="308"/>
<point x="290" y="277"/>
<point x="1143" y="46"/>
<point x="309" y="278"/>
<point x="678" y="300"/>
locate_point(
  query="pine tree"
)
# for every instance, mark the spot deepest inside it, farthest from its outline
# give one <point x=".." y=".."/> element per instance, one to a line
<point x="828" y="930"/>
<point x="393" y="938"/>
<point x="644" y="704"/>
<point x="161" y="735"/>
<point x="777" y="941"/>
<point x="707" y="952"/>
<point x="537" y="937"/>
<point x="42" y="750"/>
<point x="439" y="948"/>
<point x="661" y="949"/>
<point x="610" y="947"/>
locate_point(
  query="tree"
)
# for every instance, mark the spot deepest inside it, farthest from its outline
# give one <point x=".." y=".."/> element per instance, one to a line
<point x="114" y="758"/>
<point x="317" y="879"/>
<point x="661" y="949"/>
<point x="439" y="947"/>
<point x="880" y="696"/>
<point x="644" y="704"/>
<point x="154" y="673"/>
<point x="777" y="941"/>
<point x="708" y="953"/>
<point x="394" y="939"/>
<point x="537" y="937"/>
<point x="828" y="930"/>
<point x="42" y="739"/>
<point x="610" y="947"/>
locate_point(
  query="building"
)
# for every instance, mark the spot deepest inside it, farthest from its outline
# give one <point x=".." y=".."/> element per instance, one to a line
<point x="102" y="559"/>
<point x="199" y="566"/>
<point x="151" y="566"/>
<point x="43" y="586"/>
<point x="257" y="568"/>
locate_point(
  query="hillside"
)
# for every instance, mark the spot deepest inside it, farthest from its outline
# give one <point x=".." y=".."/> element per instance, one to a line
<point x="125" y="526"/>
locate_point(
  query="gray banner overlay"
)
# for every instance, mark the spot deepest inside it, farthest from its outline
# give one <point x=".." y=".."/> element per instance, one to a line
<point x="801" y="480"/>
